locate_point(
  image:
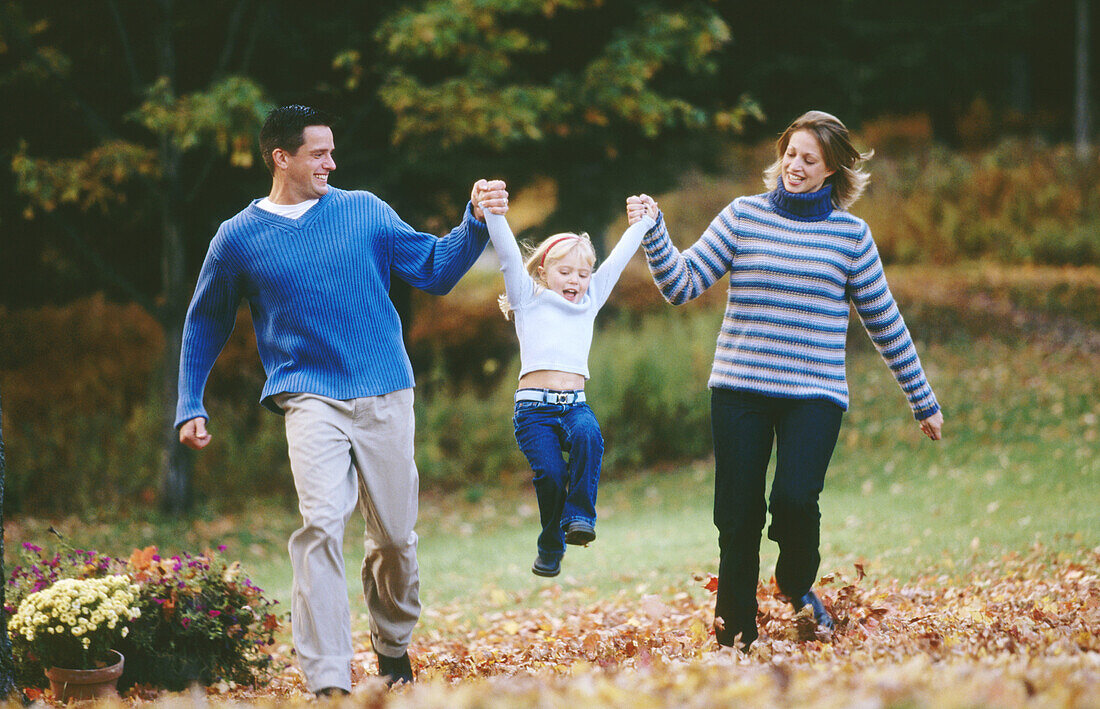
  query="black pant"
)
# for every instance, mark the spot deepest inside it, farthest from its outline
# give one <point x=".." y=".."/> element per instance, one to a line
<point x="745" y="426"/>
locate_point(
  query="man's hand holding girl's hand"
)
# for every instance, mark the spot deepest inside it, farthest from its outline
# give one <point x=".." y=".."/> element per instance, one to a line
<point x="491" y="195"/>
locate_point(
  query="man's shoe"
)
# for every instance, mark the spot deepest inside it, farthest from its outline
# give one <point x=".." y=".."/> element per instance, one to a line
<point x="579" y="533"/>
<point x="329" y="692"/>
<point x="395" y="669"/>
<point x="821" y="616"/>
<point x="546" y="567"/>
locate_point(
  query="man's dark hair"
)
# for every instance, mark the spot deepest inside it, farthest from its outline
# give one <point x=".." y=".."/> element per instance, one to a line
<point x="284" y="128"/>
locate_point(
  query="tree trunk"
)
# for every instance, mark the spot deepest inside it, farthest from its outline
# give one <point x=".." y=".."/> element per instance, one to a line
<point x="7" y="664"/>
<point x="177" y="461"/>
<point x="1081" y="121"/>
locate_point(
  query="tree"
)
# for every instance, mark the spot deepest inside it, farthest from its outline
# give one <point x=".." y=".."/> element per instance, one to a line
<point x="591" y="94"/>
<point x="596" y="97"/>
<point x="7" y="663"/>
<point x="157" y="118"/>
<point x="1081" y="117"/>
<point x="156" y="148"/>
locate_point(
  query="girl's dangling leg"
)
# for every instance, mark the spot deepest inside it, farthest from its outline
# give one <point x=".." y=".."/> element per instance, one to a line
<point x="584" y="441"/>
<point x="538" y="436"/>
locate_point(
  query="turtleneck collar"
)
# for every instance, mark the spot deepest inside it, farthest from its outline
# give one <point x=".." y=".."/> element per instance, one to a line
<point x="804" y="207"/>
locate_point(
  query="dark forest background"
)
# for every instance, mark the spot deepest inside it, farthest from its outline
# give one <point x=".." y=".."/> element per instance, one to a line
<point x="128" y="133"/>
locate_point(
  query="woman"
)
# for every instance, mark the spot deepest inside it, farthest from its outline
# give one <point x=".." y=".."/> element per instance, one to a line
<point x="796" y="259"/>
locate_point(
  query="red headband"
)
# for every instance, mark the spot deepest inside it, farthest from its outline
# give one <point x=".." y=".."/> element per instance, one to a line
<point x="554" y="243"/>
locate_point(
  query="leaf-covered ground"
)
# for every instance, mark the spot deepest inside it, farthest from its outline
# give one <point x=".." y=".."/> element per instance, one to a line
<point x="1021" y="632"/>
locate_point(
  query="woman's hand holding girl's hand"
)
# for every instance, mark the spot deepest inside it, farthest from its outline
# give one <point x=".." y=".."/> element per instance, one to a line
<point x="638" y="206"/>
<point x="933" y="426"/>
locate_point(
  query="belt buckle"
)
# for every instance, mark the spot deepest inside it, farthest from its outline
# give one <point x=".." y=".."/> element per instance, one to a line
<point x="562" y="397"/>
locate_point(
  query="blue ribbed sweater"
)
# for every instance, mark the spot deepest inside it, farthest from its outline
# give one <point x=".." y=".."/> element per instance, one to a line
<point x="318" y="290"/>
<point x="795" y="264"/>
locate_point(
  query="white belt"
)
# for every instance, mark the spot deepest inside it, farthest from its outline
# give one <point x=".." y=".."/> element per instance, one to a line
<point x="550" y="396"/>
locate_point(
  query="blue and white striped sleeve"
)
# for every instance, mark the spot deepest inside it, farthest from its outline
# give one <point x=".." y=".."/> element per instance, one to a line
<point x="684" y="276"/>
<point x="875" y="305"/>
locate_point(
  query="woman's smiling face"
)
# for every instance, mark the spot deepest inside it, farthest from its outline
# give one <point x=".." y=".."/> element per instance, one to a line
<point x="804" y="169"/>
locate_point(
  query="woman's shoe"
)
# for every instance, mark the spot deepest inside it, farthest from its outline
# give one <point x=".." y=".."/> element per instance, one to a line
<point x="546" y="567"/>
<point x="729" y="640"/>
<point x="727" y="637"/>
<point x="821" y="616"/>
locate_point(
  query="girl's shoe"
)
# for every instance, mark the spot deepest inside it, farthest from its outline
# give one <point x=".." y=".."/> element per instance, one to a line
<point x="821" y="616"/>
<point x="546" y="567"/>
<point x="579" y="533"/>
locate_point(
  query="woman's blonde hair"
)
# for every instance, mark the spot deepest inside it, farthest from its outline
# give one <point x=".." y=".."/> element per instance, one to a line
<point x="552" y="248"/>
<point x="848" y="179"/>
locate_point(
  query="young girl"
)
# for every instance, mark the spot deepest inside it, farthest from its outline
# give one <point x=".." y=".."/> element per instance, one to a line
<point x="554" y="298"/>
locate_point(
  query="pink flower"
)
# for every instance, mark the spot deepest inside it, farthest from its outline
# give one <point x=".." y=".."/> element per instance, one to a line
<point x="215" y="614"/>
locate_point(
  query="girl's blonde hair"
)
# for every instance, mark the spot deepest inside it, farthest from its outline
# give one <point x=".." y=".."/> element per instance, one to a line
<point x="848" y="179"/>
<point x="552" y="248"/>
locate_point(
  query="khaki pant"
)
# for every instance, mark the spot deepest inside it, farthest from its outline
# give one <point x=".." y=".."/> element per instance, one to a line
<point x="343" y="452"/>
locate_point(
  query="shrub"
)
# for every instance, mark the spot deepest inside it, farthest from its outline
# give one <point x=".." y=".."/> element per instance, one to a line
<point x="464" y="438"/>
<point x="200" y="618"/>
<point x="1015" y="203"/>
<point x="649" y="387"/>
<point x="82" y="411"/>
<point x="202" y="621"/>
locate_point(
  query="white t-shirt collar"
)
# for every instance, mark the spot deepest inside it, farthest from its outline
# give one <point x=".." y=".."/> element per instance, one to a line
<point x="290" y="211"/>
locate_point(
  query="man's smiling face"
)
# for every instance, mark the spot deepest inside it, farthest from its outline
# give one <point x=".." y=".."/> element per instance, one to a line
<point x="307" y="169"/>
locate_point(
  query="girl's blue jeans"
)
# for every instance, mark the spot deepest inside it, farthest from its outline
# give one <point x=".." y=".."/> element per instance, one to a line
<point x="564" y="446"/>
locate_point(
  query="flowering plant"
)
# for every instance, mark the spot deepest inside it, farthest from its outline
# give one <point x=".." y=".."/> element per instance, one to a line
<point x="75" y="622"/>
<point x="203" y="621"/>
<point x="201" y="618"/>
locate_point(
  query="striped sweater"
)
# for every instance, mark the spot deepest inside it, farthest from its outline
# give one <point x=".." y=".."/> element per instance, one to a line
<point x="318" y="288"/>
<point x="795" y="264"/>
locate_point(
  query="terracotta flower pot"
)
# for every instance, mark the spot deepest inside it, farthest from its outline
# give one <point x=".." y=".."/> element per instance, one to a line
<point x="86" y="684"/>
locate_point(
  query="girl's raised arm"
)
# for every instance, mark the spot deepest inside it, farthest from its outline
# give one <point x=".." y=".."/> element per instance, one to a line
<point x="518" y="284"/>
<point x="607" y="275"/>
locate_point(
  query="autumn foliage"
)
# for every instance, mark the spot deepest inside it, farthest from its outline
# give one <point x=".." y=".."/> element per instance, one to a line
<point x="1021" y="631"/>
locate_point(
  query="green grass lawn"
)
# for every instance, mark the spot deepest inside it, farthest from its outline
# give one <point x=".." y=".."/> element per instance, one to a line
<point x="1019" y="466"/>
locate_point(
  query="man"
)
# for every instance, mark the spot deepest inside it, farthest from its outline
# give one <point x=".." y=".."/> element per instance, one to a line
<point x="315" y="263"/>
